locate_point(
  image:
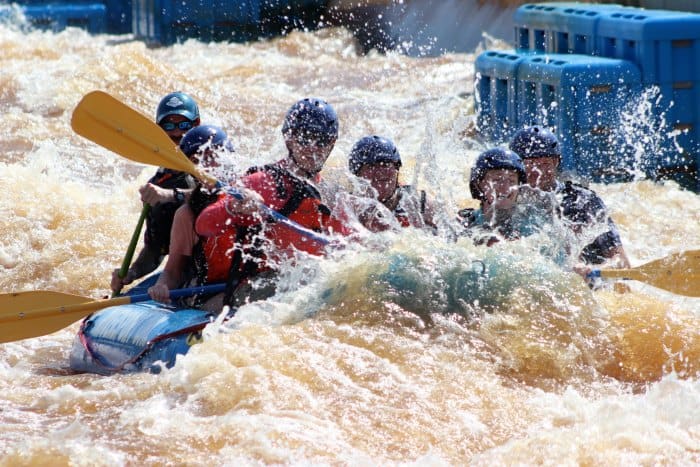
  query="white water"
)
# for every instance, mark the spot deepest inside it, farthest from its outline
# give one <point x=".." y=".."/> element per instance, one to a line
<point x="557" y="375"/>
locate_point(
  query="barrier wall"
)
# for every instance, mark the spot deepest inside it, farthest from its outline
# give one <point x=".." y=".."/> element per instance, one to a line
<point x="496" y="93"/>
<point x="167" y="21"/>
<point x="559" y="27"/>
<point x="56" y="17"/>
<point x="663" y="46"/>
<point x="581" y="97"/>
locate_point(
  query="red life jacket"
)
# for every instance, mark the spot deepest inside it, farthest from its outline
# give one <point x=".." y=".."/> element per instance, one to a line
<point x="297" y="200"/>
<point x="254" y="245"/>
<point x="217" y="252"/>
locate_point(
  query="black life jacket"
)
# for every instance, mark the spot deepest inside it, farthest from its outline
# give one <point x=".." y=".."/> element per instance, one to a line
<point x="160" y="217"/>
<point x="582" y="206"/>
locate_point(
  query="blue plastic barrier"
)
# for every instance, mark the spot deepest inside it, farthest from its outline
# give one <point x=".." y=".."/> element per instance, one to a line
<point x="580" y="96"/>
<point x="559" y="27"/>
<point x="56" y="16"/>
<point x="496" y="93"/>
<point x="167" y="21"/>
<point x="666" y="46"/>
<point x="118" y="16"/>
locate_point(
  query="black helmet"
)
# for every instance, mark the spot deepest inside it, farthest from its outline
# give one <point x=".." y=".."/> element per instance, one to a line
<point x="373" y="150"/>
<point x="203" y="135"/>
<point x="177" y="103"/>
<point x="312" y="119"/>
<point x="535" y="141"/>
<point x="494" y="159"/>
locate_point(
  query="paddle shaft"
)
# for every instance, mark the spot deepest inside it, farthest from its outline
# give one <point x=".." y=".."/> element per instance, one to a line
<point x="134" y="240"/>
<point x="99" y="304"/>
<point x="124" y="269"/>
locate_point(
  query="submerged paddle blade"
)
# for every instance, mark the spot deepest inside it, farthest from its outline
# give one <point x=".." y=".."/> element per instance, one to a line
<point x="114" y="125"/>
<point x="678" y="273"/>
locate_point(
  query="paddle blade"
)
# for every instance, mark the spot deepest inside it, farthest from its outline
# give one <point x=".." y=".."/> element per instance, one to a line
<point x="678" y="273"/>
<point x="33" y="314"/>
<point x="19" y="320"/>
<point x="114" y="125"/>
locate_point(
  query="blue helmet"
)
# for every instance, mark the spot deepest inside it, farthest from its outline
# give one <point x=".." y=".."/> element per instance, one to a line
<point x="535" y="141"/>
<point x="373" y="150"/>
<point x="311" y="119"/>
<point x="204" y="135"/>
<point x="177" y="103"/>
<point x="494" y="159"/>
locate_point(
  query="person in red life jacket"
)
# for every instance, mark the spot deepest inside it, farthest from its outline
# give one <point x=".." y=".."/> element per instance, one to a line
<point x="377" y="160"/>
<point x="193" y="260"/>
<point x="165" y="192"/>
<point x="289" y="187"/>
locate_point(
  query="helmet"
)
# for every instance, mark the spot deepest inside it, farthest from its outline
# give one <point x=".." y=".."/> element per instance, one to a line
<point x="373" y="150"/>
<point x="177" y="103"/>
<point x="535" y="141"/>
<point x="311" y="118"/>
<point x="494" y="159"/>
<point x="204" y="135"/>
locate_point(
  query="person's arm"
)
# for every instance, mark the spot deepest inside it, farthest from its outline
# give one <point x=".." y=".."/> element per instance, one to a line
<point x="428" y="212"/>
<point x="170" y="278"/>
<point x="147" y="261"/>
<point x="377" y="218"/>
<point x="182" y="242"/>
<point x="153" y="194"/>
<point x="229" y="212"/>
<point x="616" y="258"/>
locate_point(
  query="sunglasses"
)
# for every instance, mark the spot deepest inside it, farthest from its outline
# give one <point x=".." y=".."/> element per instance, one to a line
<point x="170" y="126"/>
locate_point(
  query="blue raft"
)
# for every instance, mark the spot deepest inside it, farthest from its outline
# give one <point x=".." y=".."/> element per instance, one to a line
<point x="142" y="336"/>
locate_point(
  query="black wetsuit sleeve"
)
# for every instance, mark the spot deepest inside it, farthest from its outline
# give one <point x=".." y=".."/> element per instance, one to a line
<point x="603" y="247"/>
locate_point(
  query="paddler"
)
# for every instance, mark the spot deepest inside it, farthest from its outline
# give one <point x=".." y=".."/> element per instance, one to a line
<point x="291" y="187"/>
<point x="193" y="260"/>
<point x="377" y="161"/>
<point x="581" y="208"/>
<point x="495" y="182"/>
<point x="165" y="192"/>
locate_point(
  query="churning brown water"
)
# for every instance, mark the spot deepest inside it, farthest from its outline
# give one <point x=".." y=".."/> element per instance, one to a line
<point x="340" y="371"/>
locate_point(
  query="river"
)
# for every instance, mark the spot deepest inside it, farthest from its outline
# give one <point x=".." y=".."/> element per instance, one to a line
<point x="340" y="370"/>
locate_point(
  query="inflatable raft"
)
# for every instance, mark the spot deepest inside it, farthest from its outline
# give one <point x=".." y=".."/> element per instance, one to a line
<point x="143" y="336"/>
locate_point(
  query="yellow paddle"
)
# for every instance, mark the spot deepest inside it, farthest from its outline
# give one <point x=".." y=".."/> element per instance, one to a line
<point x="37" y="313"/>
<point x="114" y="125"/>
<point x="678" y="273"/>
<point x="124" y="269"/>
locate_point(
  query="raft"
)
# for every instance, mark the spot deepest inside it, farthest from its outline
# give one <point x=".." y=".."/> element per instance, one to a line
<point x="144" y="336"/>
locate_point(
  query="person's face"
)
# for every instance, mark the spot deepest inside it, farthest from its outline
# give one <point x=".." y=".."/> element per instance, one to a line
<point x="310" y="154"/>
<point x="541" y="172"/>
<point x="206" y="159"/>
<point x="500" y="188"/>
<point x="176" y="126"/>
<point x="383" y="177"/>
